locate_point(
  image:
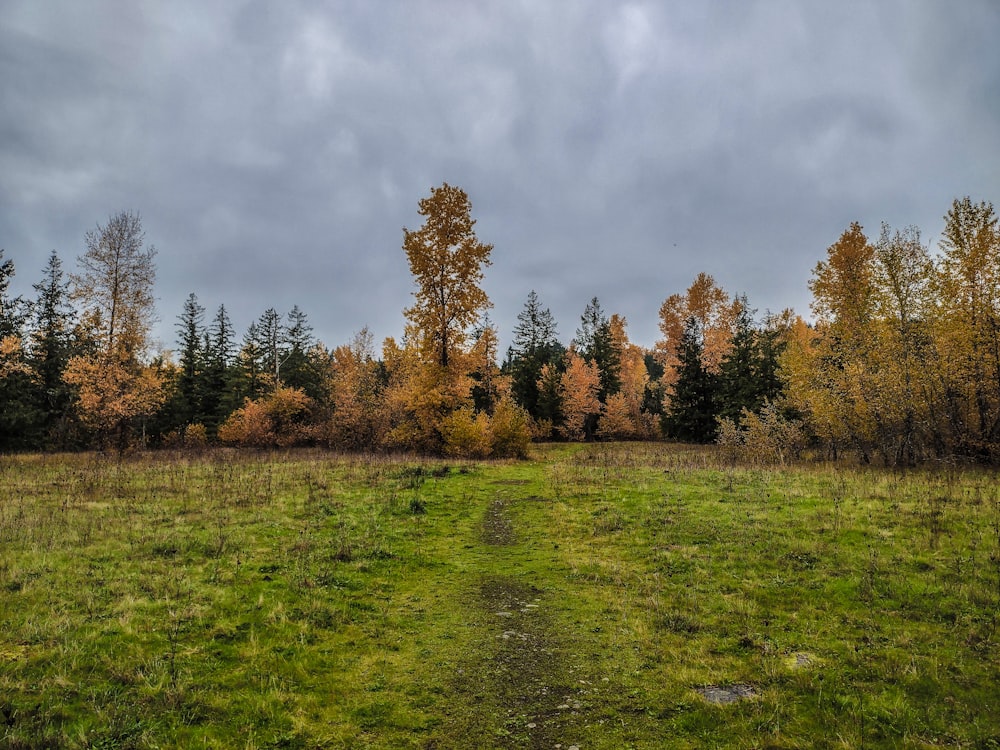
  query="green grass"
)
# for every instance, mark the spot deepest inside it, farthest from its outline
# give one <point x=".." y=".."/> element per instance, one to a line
<point x="582" y="598"/>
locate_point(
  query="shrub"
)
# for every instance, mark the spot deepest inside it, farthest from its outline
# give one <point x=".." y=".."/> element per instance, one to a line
<point x="280" y="419"/>
<point x="511" y="430"/>
<point x="195" y="436"/>
<point x="467" y="434"/>
<point x="764" y="437"/>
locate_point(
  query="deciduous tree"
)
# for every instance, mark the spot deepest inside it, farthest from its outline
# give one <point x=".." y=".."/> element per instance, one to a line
<point x="447" y="261"/>
<point x="713" y="311"/>
<point x="968" y="325"/>
<point x="359" y="419"/>
<point x="579" y="388"/>
<point x="115" y="288"/>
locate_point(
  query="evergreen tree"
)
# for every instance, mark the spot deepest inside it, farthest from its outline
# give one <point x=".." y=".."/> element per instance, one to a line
<point x="11" y="308"/>
<point x="51" y="346"/>
<point x="17" y="417"/>
<point x="655" y="392"/>
<point x="298" y="366"/>
<point x="270" y="335"/>
<point x="535" y="345"/>
<point x="550" y="405"/>
<point x="748" y="373"/>
<point x="692" y="414"/>
<point x="485" y="386"/>
<point x="250" y="376"/>
<point x="595" y="344"/>
<point x="217" y="402"/>
<point x="186" y="405"/>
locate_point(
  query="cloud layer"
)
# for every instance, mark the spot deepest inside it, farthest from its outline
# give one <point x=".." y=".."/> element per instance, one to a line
<point x="276" y="151"/>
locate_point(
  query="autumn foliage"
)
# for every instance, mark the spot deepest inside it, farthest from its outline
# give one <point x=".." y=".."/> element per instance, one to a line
<point x="278" y="420"/>
<point x="899" y="361"/>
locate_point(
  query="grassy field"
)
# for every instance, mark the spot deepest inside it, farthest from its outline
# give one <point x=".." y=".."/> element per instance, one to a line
<point x="600" y="596"/>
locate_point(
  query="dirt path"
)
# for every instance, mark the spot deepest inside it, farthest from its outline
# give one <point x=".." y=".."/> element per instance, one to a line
<point x="517" y="686"/>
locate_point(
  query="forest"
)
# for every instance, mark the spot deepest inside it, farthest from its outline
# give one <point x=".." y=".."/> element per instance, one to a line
<point x="899" y="362"/>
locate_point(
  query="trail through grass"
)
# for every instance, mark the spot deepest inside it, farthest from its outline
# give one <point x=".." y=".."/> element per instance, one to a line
<point x="606" y="596"/>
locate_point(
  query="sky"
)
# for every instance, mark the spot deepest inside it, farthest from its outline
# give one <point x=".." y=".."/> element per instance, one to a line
<point x="276" y="151"/>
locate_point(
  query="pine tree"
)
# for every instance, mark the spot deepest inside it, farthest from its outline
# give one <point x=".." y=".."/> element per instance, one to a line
<point x="270" y="336"/>
<point x="17" y="415"/>
<point x="299" y="366"/>
<point x="51" y="346"/>
<point x="549" y="410"/>
<point x="217" y="401"/>
<point x="595" y="344"/>
<point x="748" y="373"/>
<point x="250" y="376"/>
<point x="185" y="407"/>
<point x="11" y="308"/>
<point x="693" y="409"/>
<point x="535" y="345"/>
<point x="485" y="373"/>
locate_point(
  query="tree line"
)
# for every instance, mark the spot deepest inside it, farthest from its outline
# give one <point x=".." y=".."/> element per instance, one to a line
<point x="900" y="364"/>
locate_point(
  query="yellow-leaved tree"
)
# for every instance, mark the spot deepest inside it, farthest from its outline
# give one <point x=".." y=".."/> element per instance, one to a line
<point x="967" y="326"/>
<point x="830" y="376"/>
<point x="447" y="261"/>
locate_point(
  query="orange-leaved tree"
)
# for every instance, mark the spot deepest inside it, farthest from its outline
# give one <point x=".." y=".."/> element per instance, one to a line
<point x="715" y="314"/>
<point x="115" y="383"/>
<point x="279" y="419"/>
<point x="579" y="391"/>
<point x="623" y="416"/>
<point x="357" y="396"/>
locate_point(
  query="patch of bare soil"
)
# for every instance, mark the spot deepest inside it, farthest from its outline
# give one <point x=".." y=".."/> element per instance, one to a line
<point x="497" y="529"/>
<point x="516" y="689"/>
<point x="523" y="671"/>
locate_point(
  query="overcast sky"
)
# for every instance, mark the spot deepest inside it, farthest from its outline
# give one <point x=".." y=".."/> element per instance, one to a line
<point x="275" y="151"/>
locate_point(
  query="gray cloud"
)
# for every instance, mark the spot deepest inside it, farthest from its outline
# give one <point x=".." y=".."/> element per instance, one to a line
<point x="610" y="149"/>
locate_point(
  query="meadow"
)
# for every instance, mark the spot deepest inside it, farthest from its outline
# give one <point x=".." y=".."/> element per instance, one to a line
<point x="593" y="596"/>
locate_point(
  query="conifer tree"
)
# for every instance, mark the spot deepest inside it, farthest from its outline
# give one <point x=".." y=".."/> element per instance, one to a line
<point x="217" y="398"/>
<point x="748" y="372"/>
<point x="17" y="417"/>
<point x="693" y="410"/>
<point x="186" y="405"/>
<point x="301" y="362"/>
<point x="594" y="343"/>
<point x="535" y="344"/>
<point x="51" y="346"/>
